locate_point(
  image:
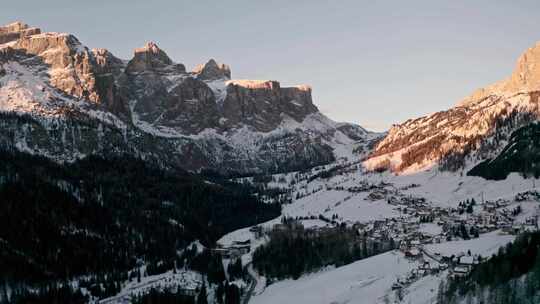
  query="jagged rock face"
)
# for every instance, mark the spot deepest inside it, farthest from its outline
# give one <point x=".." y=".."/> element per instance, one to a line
<point x="256" y="106"/>
<point x="297" y="102"/>
<point x="70" y="64"/>
<point x="152" y="58"/>
<point x="111" y="82"/>
<point x="164" y="95"/>
<point x="212" y="71"/>
<point x="189" y="106"/>
<point x="473" y="129"/>
<point x="526" y="76"/>
<point x="106" y="62"/>
<point x="72" y="68"/>
<point x="16" y="30"/>
<point x="262" y="104"/>
<point x="70" y="102"/>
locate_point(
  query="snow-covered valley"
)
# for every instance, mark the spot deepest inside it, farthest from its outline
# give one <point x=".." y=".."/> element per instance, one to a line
<point x="139" y="181"/>
<point x="383" y="204"/>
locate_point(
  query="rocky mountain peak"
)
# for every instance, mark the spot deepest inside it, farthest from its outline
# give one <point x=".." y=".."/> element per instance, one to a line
<point x="14" y="27"/>
<point x="152" y="107"/>
<point x="212" y="71"/>
<point x="69" y="64"/>
<point x="526" y="75"/>
<point x="50" y="42"/>
<point x="524" y="78"/>
<point x="106" y="62"/>
<point x="472" y="128"/>
<point x="151" y="57"/>
<point x="14" y="31"/>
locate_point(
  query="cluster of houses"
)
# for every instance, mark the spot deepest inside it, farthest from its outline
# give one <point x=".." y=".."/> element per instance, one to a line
<point x="467" y="220"/>
<point x="405" y="230"/>
<point x="235" y="250"/>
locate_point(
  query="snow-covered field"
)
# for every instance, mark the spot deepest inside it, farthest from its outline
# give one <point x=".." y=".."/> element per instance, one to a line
<point x="447" y="189"/>
<point x="348" y="206"/>
<point x="365" y="281"/>
<point x="486" y="245"/>
<point x="370" y="280"/>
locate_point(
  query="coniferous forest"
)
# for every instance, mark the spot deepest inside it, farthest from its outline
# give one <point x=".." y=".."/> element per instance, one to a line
<point x="520" y="155"/>
<point x="293" y="250"/>
<point x="96" y="219"/>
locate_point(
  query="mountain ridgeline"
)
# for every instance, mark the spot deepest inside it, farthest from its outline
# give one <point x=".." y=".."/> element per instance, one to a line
<point x="476" y="129"/>
<point x="113" y="171"/>
<point x="80" y="102"/>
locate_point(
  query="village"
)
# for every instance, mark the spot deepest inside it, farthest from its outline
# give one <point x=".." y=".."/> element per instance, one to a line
<point x="418" y="226"/>
<point x="421" y="224"/>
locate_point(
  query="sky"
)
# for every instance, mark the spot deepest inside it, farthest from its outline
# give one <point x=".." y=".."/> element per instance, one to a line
<point x="375" y="63"/>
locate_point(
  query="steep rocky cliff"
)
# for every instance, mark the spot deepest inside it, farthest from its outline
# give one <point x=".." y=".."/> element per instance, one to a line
<point x="15" y="31"/>
<point x="62" y="100"/>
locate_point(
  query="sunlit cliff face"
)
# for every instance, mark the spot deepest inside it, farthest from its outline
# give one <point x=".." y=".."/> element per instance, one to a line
<point x="425" y="142"/>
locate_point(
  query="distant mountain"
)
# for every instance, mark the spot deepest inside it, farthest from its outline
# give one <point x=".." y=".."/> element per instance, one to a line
<point x="476" y="129"/>
<point x="61" y="100"/>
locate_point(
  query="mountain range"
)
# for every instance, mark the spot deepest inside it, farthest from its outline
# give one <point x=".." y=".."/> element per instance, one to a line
<point x="64" y="101"/>
<point x="143" y="181"/>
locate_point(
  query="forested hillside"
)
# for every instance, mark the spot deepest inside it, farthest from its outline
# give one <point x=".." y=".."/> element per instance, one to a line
<point x="95" y="220"/>
<point x="293" y="250"/>
<point x="521" y="155"/>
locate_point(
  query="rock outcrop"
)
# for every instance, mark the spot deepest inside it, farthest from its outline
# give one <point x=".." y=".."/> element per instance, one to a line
<point x="262" y="104"/>
<point x="212" y="71"/>
<point x="15" y="31"/>
<point x="152" y="58"/>
<point x="70" y="64"/>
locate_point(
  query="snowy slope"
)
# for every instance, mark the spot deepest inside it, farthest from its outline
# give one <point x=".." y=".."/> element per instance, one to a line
<point x="370" y="280"/>
<point x="476" y="127"/>
<point x="365" y="281"/>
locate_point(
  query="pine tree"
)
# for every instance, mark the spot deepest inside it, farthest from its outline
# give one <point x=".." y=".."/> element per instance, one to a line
<point x="219" y="293"/>
<point x="201" y="299"/>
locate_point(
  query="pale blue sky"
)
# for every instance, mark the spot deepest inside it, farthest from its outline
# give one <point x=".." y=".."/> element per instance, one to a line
<point x="370" y="62"/>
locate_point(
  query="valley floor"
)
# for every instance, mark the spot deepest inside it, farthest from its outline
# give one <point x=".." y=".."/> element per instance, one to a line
<point x="379" y="205"/>
<point x="365" y="199"/>
<point x="371" y="279"/>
